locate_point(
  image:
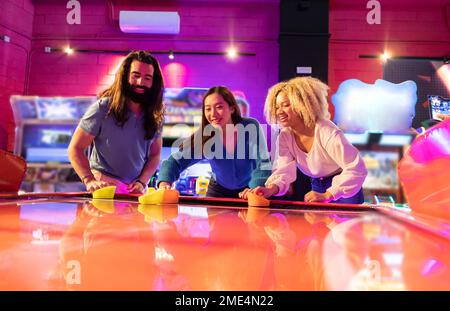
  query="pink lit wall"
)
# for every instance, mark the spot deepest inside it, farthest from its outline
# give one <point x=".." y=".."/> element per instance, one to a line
<point x="408" y="28"/>
<point x="208" y="26"/>
<point x="16" y="21"/>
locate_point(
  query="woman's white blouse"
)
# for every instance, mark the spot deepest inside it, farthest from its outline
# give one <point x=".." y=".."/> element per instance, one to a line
<point x="330" y="153"/>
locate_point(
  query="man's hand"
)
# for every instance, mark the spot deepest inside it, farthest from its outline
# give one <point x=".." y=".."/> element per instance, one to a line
<point x="314" y="196"/>
<point x="93" y="184"/>
<point x="136" y="187"/>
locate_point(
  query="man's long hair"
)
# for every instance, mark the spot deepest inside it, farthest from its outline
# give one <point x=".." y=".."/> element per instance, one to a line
<point x="153" y="109"/>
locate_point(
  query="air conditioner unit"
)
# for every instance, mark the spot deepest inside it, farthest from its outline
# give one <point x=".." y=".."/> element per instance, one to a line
<point x="150" y="22"/>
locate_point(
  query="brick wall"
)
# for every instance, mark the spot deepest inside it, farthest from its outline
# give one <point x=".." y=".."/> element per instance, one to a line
<point x="16" y="21"/>
<point x="408" y="28"/>
<point x="205" y="26"/>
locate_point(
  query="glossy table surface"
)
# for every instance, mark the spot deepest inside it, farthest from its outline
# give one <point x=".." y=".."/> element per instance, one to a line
<point x="72" y="242"/>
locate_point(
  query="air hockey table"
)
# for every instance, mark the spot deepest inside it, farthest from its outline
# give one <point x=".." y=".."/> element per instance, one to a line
<point x="69" y="241"/>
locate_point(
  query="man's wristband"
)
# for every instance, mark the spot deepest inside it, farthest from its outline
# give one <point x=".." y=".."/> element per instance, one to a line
<point x="90" y="176"/>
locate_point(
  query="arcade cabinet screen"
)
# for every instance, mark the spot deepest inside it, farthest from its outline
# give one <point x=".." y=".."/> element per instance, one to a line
<point x="395" y="140"/>
<point x="43" y="143"/>
<point x="438" y="105"/>
<point x="184" y="105"/>
<point x="382" y="169"/>
<point x="50" y="108"/>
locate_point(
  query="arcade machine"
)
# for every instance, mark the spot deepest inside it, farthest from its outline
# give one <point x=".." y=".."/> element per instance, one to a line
<point x="381" y="154"/>
<point x="44" y="127"/>
<point x="183" y="117"/>
<point x="377" y="119"/>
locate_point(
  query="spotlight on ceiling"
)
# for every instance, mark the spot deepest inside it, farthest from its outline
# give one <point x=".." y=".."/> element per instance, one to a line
<point x="232" y="53"/>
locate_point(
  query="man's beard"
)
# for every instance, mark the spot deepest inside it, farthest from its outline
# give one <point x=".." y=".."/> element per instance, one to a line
<point x="140" y="98"/>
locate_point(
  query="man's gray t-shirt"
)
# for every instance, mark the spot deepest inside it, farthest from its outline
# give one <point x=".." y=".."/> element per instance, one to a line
<point x="119" y="152"/>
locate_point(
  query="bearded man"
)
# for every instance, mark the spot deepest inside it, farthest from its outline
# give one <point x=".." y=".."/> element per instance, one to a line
<point x="123" y="128"/>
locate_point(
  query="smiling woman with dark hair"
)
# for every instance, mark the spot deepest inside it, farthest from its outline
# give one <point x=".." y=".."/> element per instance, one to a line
<point x="124" y="128"/>
<point x="234" y="146"/>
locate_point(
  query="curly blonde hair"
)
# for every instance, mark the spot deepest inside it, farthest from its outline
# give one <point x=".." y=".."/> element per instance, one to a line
<point x="307" y="95"/>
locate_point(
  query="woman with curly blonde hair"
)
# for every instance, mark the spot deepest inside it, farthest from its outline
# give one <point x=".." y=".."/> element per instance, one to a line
<point x="310" y="141"/>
